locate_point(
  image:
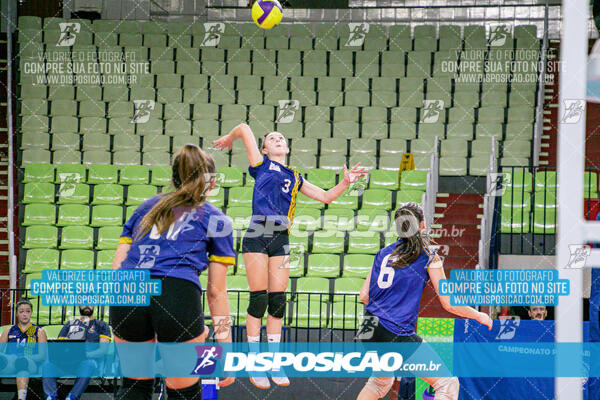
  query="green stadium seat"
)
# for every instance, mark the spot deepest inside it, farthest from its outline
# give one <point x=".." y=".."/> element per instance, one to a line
<point x="409" y="196"/>
<point x="453" y="166"/>
<point x="544" y="221"/>
<point x="230" y="177"/>
<point x="68" y="142"/>
<point x="347" y="289"/>
<point x="32" y="140"/>
<point x="134" y="175"/>
<point x="92" y="124"/>
<point x="318" y="287"/>
<point x="357" y="265"/>
<point x="546" y="181"/>
<point x="377" y="198"/>
<point x="108" y="193"/>
<point x="73" y="193"/>
<point x="323" y="178"/>
<point x="379" y="179"/>
<point x="389" y="163"/>
<point x="161" y="175"/>
<point x="104" y="259"/>
<point x="28" y="279"/>
<point x="137" y="194"/>
<point x="45" y="315"/>
<point x="102" y="174"/>
<point x="363" y="242"/>
<point x="39" y="214"/>
<point x="519" y="180"/>
<point x="155" y="158"/>
<point x="479" y="166"/>
<point x="76" y="237"/>
<point x="240" y="196"/>
<point x="339" y="219"/>
<point x="107" y="215"/>
<point x="77" y="259"/>
<point x="34" y="156"/>
<point x="73" y="214"/>
<point x="240" y="216"/>
<point x="217" y="197"/>
<point x="309" y="313"/>
<point x="38" y="192"/>
<point x="307" y="218"/>
<point x="38" y="173"/>
<point x="95" y="141"/>
<point x="413" y="180"/>
<point x="344" y="315"/>
<point x="129" y="211"/>
<point x="108" y="237"/>
<point x="329" y="241"/>
<point x="40" y="236"/>
<point x="345" y="201"/>
<point x="96" y="157"/>
<point x="516" y="221"/>
<point x="38" y="260"/>
<point x="372" y="219"/>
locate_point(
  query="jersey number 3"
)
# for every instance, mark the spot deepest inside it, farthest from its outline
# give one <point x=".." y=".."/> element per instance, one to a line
<point x="286" y="187"/>
<point x="386" y="274"/>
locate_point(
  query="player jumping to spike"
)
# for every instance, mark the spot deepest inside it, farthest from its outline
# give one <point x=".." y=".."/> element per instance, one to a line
<point x="392" y="293"/>
<point x="266" y="243"/>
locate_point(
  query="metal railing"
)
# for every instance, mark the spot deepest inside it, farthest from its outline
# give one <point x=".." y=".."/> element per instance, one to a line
<point x="526" y="213"/>
<point x="539" y="111"/>
<point x="429" y="197"/>
<point x="488" y="212"/>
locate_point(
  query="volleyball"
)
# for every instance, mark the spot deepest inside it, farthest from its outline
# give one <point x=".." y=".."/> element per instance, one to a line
<point x="267" y="13"/>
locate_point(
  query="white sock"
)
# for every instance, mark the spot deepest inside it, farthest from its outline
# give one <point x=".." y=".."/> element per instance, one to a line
<point x="253" y="339"/>
<point x="22" y="394"/>
<point x="274" y="337"/>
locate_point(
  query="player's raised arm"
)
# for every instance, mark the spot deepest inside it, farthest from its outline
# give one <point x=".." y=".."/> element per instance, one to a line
<point x="327" y="196"/>
<point x="242" y="131"/>
<point x="436" y="273"/>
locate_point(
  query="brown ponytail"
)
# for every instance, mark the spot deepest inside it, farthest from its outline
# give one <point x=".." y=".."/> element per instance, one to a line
<point x="408" y="220"/>
<point x="193" y="171"/>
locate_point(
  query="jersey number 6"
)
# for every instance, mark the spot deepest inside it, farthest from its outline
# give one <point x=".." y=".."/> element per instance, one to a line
<point x="386" y="274"/>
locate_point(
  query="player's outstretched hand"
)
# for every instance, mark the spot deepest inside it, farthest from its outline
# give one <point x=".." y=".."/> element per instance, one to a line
<point x="485" y="320"/>
<point x="226" y="142"/>
<point x="352" y="175"/>
<point x="226" y="381"/>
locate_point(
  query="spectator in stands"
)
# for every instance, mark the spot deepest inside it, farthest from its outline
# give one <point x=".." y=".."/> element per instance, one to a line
<point x="538" y="313"/>
<point x="24" y="332"/>
<point x="87" y="329"/>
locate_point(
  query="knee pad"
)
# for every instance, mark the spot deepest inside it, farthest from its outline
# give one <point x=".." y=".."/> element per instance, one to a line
<point x="258" y="303"/>
<point x="193" y="392"/>
<point x="277" y="304"/>
<point x="447" y="388"/>
<point x="134" y="389"/>
<point x="380" y="385"/>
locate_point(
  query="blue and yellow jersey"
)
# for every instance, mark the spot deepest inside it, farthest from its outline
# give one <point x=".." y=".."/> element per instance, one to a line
<point x="198" y="236"/>
<point x="22" y="337"/>
<point x="275" y="189"/>
<point x="395" y="293"/>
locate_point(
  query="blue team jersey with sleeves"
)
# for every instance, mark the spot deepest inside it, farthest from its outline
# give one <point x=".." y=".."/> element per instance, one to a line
<point x="197" y="237"/>
<point x="275" y="189"/>
<point x="395" y="293"/>
<point x="29" y="335"/>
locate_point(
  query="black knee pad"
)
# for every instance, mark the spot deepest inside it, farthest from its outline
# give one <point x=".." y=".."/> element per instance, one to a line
<point x="277" y="304"/>
<point x="134" y="389"/>
<point x="258" y="303"/>
<point x="193" y="392"/>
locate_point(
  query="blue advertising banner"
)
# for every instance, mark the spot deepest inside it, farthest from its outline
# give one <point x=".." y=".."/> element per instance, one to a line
<point x="318" y="360"/>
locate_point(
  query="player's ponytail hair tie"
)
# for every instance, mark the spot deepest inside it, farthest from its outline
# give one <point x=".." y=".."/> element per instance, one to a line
<point x="193" y="173"/>
<point x="412" y="242"/>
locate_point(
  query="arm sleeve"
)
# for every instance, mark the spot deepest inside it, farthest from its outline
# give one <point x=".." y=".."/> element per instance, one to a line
<point x="220" y="247"/>
<point x="255" y="170"/>
<point x="64" y="331"/>
<point x="128" y="228"/>
<point x="301" y="181"/>
<point x="105" y="331"/>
